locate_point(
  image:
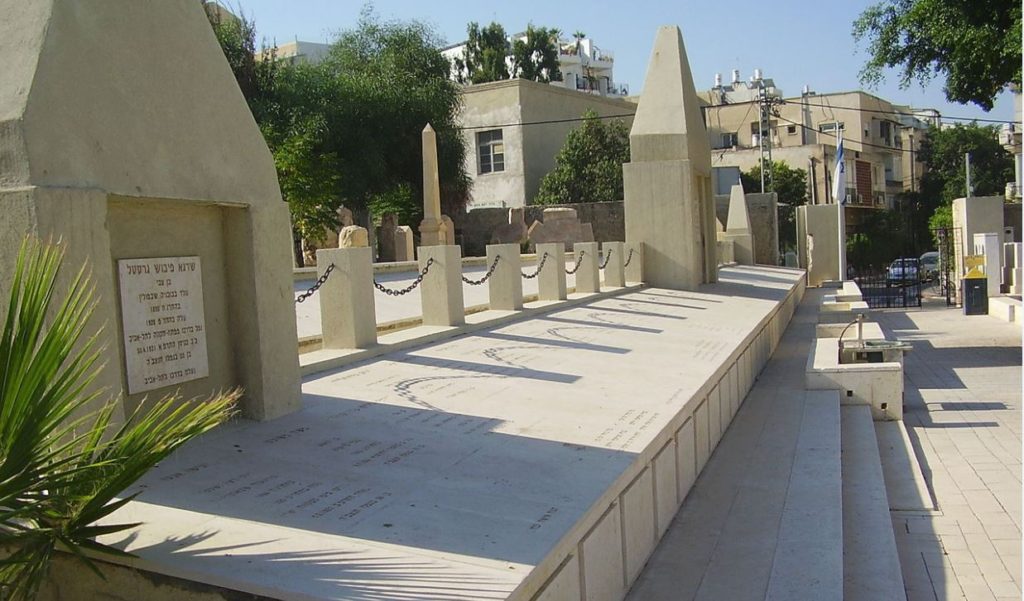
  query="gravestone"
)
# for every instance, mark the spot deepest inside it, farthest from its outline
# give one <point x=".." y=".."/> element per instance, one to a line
<point x="560" y="224"/>
<point x="353" y="236"/>
<point x="737" y="229"/>
<point x="404" y="245"/>
<point x="386" y="237"/>
<point x="432" y="228"/>
<point x="153" y="172"/>
<point x="668" y="204"/>
<point x="513" y="232"/>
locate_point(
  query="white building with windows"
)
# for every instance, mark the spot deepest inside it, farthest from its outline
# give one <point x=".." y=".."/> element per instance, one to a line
<point x="515" y="128"/>
<point x="584" y="66"/>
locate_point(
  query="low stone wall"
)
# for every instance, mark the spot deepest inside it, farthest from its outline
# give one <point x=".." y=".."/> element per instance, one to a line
<point x="473" y="229"/>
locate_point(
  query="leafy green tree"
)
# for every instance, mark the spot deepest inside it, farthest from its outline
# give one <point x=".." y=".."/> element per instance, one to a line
<point x="791" y="186"/>
<point x="974" y="44"/>
<point x="942" y="151"/>
<point x="485" y="55"/>
<point x="536" y="57"/>
<point x="61" y="467"/>
<point x="347" y="131"/>
<point x="588" y="168"/>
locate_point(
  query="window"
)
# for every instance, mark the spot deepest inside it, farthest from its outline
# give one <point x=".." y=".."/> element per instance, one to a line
<point x="730" y="140"/>
<point x="791" y="129"/>
<point x="490" y="151"/>
<point x="831" y="126"/>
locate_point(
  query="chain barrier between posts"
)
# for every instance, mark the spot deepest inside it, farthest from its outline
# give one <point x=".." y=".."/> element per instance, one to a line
<point x="579" y="263"/>
<point x="316" y="286"/>
<point x="540" y="267"/>
<point x="410" y="287"/>
<point x="629" y="258"/>
<point x="607" y="257"/>
<point x="487" y="276"/>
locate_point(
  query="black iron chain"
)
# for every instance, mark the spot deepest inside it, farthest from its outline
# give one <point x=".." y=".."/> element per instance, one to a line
<point x="316" y="286"/>
<point x="487" y="276"/>
<point x="540" y="267"/>
<point x="579" y="263"/>
<point x="607" y="257"/>
<point x="629" y="258"/>
<point x="410" y="287"/>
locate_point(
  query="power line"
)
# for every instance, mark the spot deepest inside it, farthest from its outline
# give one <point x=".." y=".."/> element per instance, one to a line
<point x="832" y="109"/>
<point x="822" y="133"/>
<point x="546" y="122"/>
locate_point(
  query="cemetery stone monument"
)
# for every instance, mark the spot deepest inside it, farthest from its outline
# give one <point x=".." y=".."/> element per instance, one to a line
<point x="737" y="229"/>
<point x="668" y="204"/>
<point x="433" y="231"/>
<point x="386" y="237"/>
<point x="123" y="134"/>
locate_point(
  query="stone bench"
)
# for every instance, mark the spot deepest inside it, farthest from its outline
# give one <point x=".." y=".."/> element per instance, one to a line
<point x="1005" y="308"/>
<point x="878" y="385"/>
<point x="850" y="292"/>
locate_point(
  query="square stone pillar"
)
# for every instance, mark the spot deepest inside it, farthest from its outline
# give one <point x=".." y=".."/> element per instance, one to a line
<point x="441" y="290"/>
<point x="614" y="272"/>
<point x="346" y="299"/>
<point x="588" y="276"/>
<point x="634" y="262"/>
<point x="551" y="281"/>
<point x="505" y="288"/>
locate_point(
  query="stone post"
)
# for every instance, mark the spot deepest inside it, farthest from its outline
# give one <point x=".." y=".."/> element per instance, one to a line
<point x="551" y="281"/>
<point x="441" y="290"/>
<point x="588" y="276"/>
<point x="404" y="247"/>
<point x="634" y="262"/>
<point x="614" y="272"/>
<point x="431" y="226"/>
<point x="346" y="298"/>
<point x="505" y="288"/>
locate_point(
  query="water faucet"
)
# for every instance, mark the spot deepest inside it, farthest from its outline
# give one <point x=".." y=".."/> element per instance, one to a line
<point x="859" y="320"/>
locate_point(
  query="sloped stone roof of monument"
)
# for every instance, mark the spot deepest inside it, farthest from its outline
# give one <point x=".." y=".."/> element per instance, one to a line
<point x="133" y="98"/>
<point x="669" y="105"/>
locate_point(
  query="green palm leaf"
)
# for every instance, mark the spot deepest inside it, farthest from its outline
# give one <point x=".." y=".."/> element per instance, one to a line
<point x="62" y="466"/>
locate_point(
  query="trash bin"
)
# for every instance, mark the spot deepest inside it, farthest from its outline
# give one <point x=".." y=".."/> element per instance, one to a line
<point x="975" y="296"/>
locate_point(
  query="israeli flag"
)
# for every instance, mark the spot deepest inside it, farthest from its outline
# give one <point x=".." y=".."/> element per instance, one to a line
<point x="839" y="178"/>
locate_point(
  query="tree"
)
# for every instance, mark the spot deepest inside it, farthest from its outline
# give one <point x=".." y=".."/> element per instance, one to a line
<point x="347" y="131"/>
<point x="791" y="186"/>
<point x="942" y="151"/>
<point x="485" y="55"/>
<point x="588" y="168"/>
<point x="536" y="56"/>
<point x="975" y="45"/>
<point x="62" y="471"/>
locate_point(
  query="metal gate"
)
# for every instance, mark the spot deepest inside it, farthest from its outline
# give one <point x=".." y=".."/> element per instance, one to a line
<point x="949" y="241"/>
<point x="894" y="286"/>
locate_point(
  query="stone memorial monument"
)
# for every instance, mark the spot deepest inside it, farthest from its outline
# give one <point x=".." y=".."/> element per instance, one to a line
<point x="560" y="224"/>
<point x="817" y="238"/>
<point x="668" y="204"/>
<point x="123" y="134"/>
<point x="513" y="232"/>
<point x="405" y="249"/>
<point x="737" y="229"/>
<point x="432" y="229"/>
<point x="386" y="237"/>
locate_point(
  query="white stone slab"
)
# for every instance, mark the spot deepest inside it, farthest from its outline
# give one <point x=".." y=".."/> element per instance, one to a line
<point x="703" y="445"/>
<point x="666" y="486"/>
<point x="481" y="452"/>
<point x="602" y="559"/>
<point x="565" y="584"/>
<point x="686" y="458"/>
<point x="638" y="523"/>
<point x="715" y="419"/>
<point x="164" y="323"/>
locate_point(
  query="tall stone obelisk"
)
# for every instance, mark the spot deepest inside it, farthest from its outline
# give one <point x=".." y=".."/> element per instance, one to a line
<point x="668" y="202"/>
<point x="432" y="232"/>
<point x="737" y="228"/>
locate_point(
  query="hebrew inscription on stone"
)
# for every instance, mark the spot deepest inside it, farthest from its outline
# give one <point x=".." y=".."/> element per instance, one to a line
<point x="163" y="319"/>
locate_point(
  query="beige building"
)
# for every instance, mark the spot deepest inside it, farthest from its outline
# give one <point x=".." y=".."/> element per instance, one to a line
<point x="880" y="142"/>
<point x="515" y="128"/>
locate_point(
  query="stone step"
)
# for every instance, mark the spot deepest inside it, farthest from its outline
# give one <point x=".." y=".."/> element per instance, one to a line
<point x="808" y="560"/>
<point x="871" y="565"/>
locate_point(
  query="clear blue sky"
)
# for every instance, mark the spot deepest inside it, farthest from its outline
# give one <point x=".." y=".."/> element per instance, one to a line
<point x="804" y="42"/>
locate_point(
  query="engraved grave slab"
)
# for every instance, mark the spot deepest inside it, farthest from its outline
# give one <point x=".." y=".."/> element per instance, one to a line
<point x="163" y="320"/>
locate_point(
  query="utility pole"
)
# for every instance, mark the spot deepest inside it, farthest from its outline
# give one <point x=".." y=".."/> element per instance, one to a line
<point x="967" y="165"/>
<point x="913" y="170"/>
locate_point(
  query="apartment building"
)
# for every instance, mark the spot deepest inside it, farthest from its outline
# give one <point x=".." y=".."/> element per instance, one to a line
<point x="880" y="139"/>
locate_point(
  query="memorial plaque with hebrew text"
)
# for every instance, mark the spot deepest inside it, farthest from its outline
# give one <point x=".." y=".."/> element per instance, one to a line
<point x="164" y="322"/>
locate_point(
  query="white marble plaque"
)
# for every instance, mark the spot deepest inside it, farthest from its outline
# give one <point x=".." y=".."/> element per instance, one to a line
<point x="163" y="319"/>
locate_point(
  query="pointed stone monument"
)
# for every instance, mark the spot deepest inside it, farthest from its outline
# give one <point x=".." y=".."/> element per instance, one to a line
<point x="123" y="133"/>
<point x="737" y="229"/>
<point x="432" y="229"/>
<point x="668" y="202"/>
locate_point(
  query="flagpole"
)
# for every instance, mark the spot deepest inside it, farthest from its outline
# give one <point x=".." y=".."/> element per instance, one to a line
<point x="839" y="196"/>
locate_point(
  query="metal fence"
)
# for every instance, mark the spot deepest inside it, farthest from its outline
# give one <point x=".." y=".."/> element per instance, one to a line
<point x="896" y="286"/>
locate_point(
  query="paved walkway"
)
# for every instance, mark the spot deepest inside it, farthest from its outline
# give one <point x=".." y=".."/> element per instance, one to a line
<point x="723" y="543"/>
<point x="963" y="403"/>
